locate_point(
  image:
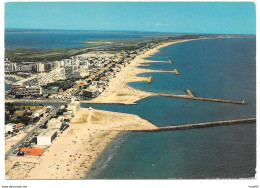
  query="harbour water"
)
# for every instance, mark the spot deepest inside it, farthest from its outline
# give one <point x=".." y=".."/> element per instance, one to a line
<point x="8" y="85"/>
<point x="215" y="68"/>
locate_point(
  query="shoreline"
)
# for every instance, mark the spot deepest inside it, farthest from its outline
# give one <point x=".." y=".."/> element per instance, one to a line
<point x="72" y="153"/>
<point x="118" y="90"/>
<point x="53" y="164"/>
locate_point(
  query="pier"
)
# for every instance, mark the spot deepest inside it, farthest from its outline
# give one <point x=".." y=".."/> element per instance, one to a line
<point x="192" y="97"/>
<point x="199" y="125"/>
<point x="189" y="93"/>
<point x="145" y="65"/>
<point x="150" y="79"/>
<point x="155" y="61"/>
<point x="170" y="71"/>
<point x="176" y="71"/>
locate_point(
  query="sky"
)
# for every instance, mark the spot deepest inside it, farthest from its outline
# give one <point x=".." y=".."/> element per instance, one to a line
<point x="174" y="17"/>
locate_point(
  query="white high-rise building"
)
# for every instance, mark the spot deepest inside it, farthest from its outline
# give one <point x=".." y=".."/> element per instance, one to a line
<point x="40" y="67"/>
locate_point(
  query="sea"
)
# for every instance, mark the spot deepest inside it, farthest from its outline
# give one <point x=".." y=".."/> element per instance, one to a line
<point x="48" y="39"/>
<point x="223" y="68"/>
<point x="214" y="68"/>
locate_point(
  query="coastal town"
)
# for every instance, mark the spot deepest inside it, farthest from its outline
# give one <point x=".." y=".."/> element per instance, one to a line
<point x="33" y="124"/>
<point x="42" y="108"/>
<point x="84" y="76"/>
<point x="129" y="91"/>
<point x="49" y="135"/>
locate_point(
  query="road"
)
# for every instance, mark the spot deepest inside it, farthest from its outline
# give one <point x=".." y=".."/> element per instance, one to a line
<point x="41" y="122"/>
<point x="9" y="100"/>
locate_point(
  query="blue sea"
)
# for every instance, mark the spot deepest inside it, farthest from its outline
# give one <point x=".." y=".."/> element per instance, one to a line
<point x="215" y="68"/>
<point x="65" y="39"/>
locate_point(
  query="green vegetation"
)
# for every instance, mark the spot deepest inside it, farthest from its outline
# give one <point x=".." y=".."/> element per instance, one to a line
<point x="20" y="113"/>
<point x="61" y="111"/>
<point x="24" y="54"/>
<point x="62" y="84"/>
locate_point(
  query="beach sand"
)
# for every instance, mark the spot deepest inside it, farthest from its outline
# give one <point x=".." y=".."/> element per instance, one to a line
<point x="118" y="90"/>
<point x="72" y="153"/>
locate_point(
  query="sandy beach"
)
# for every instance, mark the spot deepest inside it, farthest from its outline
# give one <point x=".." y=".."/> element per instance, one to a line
<point x="118" y="90"/>
<point x="73" y="152"/>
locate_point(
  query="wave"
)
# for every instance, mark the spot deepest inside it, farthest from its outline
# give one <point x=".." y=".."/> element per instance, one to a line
<point x="108" y="154"/>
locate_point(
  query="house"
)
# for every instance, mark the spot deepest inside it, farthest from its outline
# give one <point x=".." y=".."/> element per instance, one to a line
<point x="60" y="95"/>
<point x="46" y="137"/>
<point x="20" y="125"/>
<point x="90" y="93"/>
<point x="10" y="127"/>
<point x="68" y="114"/>
<point x="62" y="117"/>
<point x="31" y="151"/>
<point x="38" y="113"/>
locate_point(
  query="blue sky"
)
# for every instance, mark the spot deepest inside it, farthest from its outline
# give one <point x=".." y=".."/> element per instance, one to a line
<point x="206" y="17"/>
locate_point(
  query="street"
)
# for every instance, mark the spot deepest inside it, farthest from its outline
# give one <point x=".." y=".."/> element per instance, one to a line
<point x="41" y="122"/>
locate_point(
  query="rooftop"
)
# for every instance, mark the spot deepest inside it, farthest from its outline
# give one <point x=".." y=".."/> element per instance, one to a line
<point x="32" y="151"/>
<point x="47" y="132"/>
<point x="20" y="125"/>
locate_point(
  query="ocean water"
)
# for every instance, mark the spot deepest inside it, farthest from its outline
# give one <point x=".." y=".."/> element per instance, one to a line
<point x="166" y="111"/>
<point x="64" y="39"/>
<point x="218" y="152"/>
<point x="216" y="68"/>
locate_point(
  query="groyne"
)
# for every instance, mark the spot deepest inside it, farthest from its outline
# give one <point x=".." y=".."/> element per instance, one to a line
<point x="145" y="65"/>
<point x="199" y="125"/>
<point x="150" y="79"/>
<point x="170" y="71"/>
<point x="176" y="71"/>
<point x="189" y="93"/>
<point x="199" y="98"/>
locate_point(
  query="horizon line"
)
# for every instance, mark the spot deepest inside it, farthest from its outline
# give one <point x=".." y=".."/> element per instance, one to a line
<point x="108" y="30"/>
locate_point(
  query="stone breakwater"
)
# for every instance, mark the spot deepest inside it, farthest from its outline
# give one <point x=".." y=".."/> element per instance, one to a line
<point x="192" y="97"/>
<point x="199" y="125"/>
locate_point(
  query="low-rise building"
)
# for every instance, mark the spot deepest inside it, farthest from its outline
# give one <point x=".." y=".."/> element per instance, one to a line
<point x="31" y="151"/>
<point x="20" y="125"/>
<point x="63" y="117"/>
<point x="74" y="105"/>
<point x="20" y="90"/>
<point x="46" y="137"/>
<point x="54" y="123"/>
<point x="90" y="93"/>
<point x="10" y="127"/>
